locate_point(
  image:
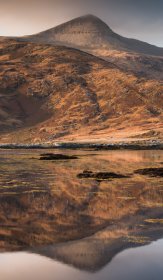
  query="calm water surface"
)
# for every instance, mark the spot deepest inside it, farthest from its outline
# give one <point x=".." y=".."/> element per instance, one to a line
<point x="54" y="225"/>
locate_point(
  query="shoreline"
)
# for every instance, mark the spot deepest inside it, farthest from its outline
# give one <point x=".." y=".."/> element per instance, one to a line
<point x="86" y="145"/>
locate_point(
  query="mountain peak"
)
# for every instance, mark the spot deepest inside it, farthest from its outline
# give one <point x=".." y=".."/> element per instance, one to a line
<point x="86" y="23"/>
<point x="84" y="30"/>
<point x="88" y="32"/>
<point x="88" y="17"/>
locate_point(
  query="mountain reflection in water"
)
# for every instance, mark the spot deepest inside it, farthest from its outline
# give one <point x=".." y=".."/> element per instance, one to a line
<point x="144" y="263"/>
<point x="45" y="209"/>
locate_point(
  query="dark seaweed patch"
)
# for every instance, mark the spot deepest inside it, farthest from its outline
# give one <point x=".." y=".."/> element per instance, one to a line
<point x="51" y="156"/>
<point x="152" y="172"/>
<point x="100" y="176"/>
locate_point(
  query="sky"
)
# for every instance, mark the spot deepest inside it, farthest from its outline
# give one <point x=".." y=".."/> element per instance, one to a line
<point x="140" y="19"/>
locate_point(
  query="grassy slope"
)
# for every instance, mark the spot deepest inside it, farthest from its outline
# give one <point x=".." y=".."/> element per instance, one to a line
<point x="52" y="92"/>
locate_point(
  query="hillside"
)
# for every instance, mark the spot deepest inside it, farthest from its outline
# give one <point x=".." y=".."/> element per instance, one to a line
<point x="51" y="93"/>
<point x="149" y="67"/>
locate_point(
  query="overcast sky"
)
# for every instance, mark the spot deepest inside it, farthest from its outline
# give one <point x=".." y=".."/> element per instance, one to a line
<point x="141" y="19"/>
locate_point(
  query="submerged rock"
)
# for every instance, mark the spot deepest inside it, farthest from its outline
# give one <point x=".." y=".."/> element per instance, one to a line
<point x="51" y="156"/>
<point x="152" y="172"/>
<point x="100" y="176"/>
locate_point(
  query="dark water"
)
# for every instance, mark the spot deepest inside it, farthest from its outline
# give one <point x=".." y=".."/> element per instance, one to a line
<point x="54" y="225"/>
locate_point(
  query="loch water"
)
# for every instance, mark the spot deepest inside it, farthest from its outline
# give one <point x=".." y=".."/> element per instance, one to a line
<point x="56" y="222"/>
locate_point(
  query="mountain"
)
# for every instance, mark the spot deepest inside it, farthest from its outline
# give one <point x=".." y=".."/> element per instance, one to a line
<point x="51" y="93"/>
<point x="90" y="31"/>
<point x="90" y="34"/>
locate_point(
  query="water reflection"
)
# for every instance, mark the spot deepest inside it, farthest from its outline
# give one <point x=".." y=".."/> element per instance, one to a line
<point x="140" y="263"/>
<point x="46" y="209"/>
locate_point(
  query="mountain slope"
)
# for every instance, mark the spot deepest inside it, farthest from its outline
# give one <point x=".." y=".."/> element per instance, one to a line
<point x="51" y="92"/>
